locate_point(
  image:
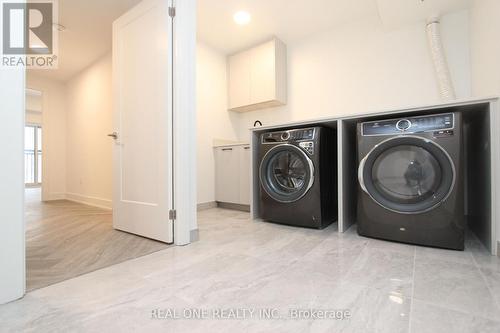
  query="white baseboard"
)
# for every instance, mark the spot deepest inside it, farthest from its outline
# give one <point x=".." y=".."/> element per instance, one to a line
<point x="233" y="206"/>
<point x="53" y="196"/>
<point x="206" y="205"/>
<point x="194" y="235"/>
<point x="106" y="203"/>
<point x="91" y="201"/>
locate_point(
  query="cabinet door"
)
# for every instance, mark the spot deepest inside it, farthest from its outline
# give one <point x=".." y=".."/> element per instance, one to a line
<point x="245" y="175"/>
<point x="227" y="187"/>
<point x="263" y="73"/>
<point x="239" y="80"/>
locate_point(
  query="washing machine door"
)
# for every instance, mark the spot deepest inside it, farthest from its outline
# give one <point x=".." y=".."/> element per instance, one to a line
<point x="407" y="174"/>
<point x="286" y="173"/>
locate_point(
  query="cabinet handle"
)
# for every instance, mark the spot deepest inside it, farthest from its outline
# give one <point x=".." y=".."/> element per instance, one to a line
<point x="225" y="149"/>
<point x="246" y="148"/>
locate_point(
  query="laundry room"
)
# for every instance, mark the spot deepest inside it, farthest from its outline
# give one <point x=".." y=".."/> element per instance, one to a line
<point x="276" y="84"/>
<point x="251" y="166"/>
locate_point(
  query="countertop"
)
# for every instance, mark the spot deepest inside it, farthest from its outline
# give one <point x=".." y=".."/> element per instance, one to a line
<point x="388" y="111"/>
<point x="230" y="144"/>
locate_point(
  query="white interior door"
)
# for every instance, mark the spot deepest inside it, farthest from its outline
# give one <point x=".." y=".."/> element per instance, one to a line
<point x="142" y="156"/>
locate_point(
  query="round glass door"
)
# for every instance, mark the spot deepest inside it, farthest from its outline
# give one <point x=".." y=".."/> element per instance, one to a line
<point x="286" y="173"/>
<point x="408" y="175"/>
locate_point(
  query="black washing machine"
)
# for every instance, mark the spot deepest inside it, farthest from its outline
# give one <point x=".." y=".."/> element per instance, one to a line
<point x="298" y="177"/>
<point x="411" y="178"/>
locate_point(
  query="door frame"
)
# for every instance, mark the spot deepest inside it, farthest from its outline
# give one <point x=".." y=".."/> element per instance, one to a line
<point x="184" y="106"/>
<point x="45" y="187"/>
<point x="12" y="235"/>
<point x="39" y="182"/>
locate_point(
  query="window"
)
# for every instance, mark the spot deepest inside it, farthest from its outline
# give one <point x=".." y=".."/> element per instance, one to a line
<point x="32" y="155"/>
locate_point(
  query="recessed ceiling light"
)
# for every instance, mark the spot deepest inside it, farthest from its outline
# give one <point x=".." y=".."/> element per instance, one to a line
<point x="242" y="17"/>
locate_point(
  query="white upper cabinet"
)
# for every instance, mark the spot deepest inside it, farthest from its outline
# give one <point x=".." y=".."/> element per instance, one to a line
<point x="263" y="73"/>
<point x="257" y="77"/>
<point x="239" y="78"/>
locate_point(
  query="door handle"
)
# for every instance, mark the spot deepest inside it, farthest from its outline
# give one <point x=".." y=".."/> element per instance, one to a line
<point x="361" y="178"/>
<point x="114" y="135"/>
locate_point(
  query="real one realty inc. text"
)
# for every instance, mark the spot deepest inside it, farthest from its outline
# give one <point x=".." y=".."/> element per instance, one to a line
<point x="250" y="313"/>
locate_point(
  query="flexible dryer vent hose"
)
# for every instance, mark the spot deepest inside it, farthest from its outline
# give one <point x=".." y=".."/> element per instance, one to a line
<point x="446" y="89"/>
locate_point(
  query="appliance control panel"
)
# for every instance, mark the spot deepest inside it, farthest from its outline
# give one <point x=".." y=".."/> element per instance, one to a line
<point x="434" y="123"/>
<point x="308" y="146"/>
<point x="303" y="134"/>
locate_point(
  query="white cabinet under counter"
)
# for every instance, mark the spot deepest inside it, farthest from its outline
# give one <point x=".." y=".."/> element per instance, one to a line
<point x="232" y="174"/>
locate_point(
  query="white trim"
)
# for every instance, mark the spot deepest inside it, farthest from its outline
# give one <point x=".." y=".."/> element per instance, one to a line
<point x="45" y="185"/>
<point x="194" y="235"/>
<point x="90" y="201"/>
<point x="54" y="196"/>
<point x="185" y="119"/>
<point x="206" y="205"/>
<point x="340" y="177"/>
<point x="495" y="177"/>
<point x="12" y="233"/>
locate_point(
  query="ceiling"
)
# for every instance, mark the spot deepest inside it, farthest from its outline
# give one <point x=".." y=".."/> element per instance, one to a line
<point x="395" y="13"/>
<point x="287" y="19"/>
<point x="292" y="20"/>
<point x="89" y="23"/>
<point x="88" y="33"/>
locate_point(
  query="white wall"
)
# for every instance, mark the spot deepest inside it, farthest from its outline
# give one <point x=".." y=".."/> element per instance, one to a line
<point x="82" y="108"/>
<point x="362" y="67"/>
<point x="485" y="47"/>
<point x="12" y="258"/>
<point x="33" y="102"/>
<point x="89" y="120"/>
<point x="88" y="148"/>
<point x="213" y="119"/>
<point x="33" y="109"/>
<point x="485" y="53"/>
<point x="34" y="118"/>
<point x="54" y="135"/>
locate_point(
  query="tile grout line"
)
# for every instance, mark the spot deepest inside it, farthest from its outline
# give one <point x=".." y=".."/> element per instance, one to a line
<point x="410" y="315"/>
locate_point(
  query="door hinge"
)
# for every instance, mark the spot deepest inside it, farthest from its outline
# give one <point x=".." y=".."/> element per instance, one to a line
<point x="172" y="214"/>
<point x="171" y="11"/>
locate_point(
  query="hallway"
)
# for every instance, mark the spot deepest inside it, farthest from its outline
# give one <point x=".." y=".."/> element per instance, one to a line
<point x="65" y="239"/>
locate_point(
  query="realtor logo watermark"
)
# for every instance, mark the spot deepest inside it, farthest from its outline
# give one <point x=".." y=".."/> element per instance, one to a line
<point x="28" y="35"/>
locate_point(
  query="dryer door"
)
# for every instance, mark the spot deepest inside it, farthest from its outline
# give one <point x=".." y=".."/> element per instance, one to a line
<point x="286" y="173"/>
<point x="407" y="174"/>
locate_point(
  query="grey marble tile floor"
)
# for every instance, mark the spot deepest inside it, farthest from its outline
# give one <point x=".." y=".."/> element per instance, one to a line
<point x="245" y="265"/>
